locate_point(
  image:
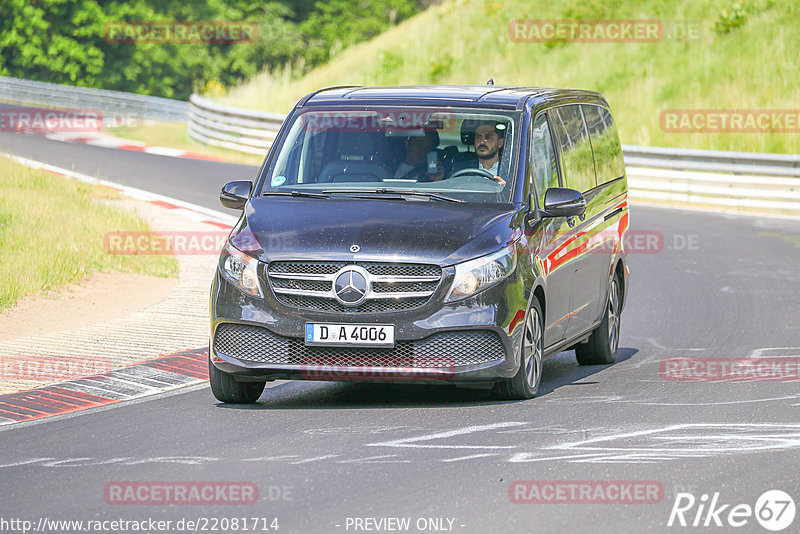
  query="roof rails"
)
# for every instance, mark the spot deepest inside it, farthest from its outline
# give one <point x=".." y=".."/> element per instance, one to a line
<point x="308" y="97"/>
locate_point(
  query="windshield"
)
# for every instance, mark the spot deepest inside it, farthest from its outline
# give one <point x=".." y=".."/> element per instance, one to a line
<point x="431" y="154"/>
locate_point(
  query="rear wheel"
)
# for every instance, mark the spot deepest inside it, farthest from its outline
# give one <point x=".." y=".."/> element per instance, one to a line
<point x="526" y="382"/>
<point x="602" y="346"/>
<point x="226" y="389"/>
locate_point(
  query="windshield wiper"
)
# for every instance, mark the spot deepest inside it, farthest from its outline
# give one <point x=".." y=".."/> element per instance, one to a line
<point x="295" y="194"/>
<point x="387" y="191"/>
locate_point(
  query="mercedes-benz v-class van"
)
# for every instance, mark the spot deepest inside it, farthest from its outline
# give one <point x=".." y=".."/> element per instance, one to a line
<point x="441" y="234"/>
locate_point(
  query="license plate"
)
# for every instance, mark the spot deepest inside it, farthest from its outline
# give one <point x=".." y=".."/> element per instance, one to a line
<point x="350" y="335"/>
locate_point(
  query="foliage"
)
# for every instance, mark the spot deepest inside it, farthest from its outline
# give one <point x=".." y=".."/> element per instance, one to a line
<point x="692" y="67"/>
<point x="730" y="19"/>
<point x="64" y="41"/>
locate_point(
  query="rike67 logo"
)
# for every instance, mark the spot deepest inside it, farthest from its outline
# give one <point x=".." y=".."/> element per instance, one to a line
<point x="774" y="510"/>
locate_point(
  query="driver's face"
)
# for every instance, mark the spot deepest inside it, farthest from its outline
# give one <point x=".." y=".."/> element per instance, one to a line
<point x="487" y="142"/>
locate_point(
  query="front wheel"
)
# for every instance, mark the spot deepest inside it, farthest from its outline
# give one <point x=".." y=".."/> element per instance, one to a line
<point x="226" y="389"/>
<point x="525" y="383"/>
<point x="601" y="349"/>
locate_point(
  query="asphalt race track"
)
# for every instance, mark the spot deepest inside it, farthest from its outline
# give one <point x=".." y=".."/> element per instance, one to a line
<point x="719" y="287"/>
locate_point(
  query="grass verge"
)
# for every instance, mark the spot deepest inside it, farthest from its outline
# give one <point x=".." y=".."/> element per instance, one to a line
<point x="745" y="57"/>
<point x="51" y="233"/>
<point x="176" y="135"/>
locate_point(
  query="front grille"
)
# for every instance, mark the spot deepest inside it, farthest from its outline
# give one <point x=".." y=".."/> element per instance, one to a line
<point x="247" y="342"/>
<point x="403" y="287"/>
<point x="438" y="351"/>
<point x="334" y="306"/>
<point x="308" y="285"/>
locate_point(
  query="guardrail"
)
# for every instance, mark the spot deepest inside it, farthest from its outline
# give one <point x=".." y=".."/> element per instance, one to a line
<point x="754" y="181"/>
<point x="108" y="102"/>
<point x="712" y="160"/>
<point x="687" y="176"/>
<point x="237" y="129"/>
<point x="754" y="192"/>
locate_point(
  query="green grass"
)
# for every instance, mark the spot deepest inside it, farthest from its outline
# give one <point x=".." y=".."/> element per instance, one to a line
<point x="51" y="233"/>
<point x="745" y="59"/>
<point x="176" y="135"/>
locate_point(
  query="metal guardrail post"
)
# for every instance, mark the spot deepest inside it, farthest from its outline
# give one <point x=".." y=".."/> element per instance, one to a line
<point x="109" y="102"/>
<point x="755" y="180"/>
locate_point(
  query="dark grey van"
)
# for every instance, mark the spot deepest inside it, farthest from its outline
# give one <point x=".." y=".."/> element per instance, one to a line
<point x="442" y="234"/>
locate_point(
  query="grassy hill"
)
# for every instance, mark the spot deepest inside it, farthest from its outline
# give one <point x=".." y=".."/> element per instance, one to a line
<point x="746" y="57"/>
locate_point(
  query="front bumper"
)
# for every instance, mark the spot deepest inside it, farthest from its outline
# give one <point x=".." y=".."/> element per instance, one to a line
<point x="467" y="342"/>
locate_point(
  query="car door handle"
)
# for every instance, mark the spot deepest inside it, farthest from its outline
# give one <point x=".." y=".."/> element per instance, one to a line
<point x="612" y="214"/>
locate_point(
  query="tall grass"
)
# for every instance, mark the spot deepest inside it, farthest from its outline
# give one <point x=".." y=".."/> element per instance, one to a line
<point x="745" y="59"/>
<point x="51" y="233"/>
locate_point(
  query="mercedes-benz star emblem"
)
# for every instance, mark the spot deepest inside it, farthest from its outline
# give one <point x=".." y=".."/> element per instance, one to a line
<point x="354" y="248"/>
<point x="350" y="287"/>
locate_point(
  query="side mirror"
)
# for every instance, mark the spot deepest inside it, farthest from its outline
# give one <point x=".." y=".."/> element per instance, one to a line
<point x="235" y="194"/>
<point x="563" y="202"/>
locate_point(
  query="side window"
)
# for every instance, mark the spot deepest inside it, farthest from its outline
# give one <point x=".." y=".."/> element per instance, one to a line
<point x="605" y="143"/>
<point x="577" y="163"/>
<point x="545" y="171"/>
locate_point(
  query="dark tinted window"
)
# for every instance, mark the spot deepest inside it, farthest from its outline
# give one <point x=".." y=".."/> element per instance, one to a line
<point x="605" y="143"/>
<point x="545" y="171"/>
<point x="577" y="163"/>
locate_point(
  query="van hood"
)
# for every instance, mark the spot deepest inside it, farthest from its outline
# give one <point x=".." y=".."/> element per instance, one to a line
<point x="441" y="233"/>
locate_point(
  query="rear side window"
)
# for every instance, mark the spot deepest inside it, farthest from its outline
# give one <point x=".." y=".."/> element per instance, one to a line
<point x="545" y="171"/>
<point x="577" y="163"/>
<point x="605" y="143"/>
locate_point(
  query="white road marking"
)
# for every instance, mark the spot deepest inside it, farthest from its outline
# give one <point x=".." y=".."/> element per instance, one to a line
<point x="748" y="401"/>
<point x="412" y="442"/>
<point x="371" y="460"/>
<point x="470" y="457"/>
<point x="26" y="462"/>
<point x="132" y="192"/>
<point x="691" y="440"/>
<point x="316" y="459"/>
<point x="759" y="353"/>
<point x="271" y="458"/>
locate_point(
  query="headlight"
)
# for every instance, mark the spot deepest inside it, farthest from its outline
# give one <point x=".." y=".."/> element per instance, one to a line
<point x="478" y="274"/>
<point x="240" y="269"/>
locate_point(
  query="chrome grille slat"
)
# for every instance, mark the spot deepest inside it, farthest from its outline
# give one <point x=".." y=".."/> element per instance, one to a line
<point x="403" y="295"/>
<point x="401" y="279"/>
<point x="395" y="286"/>
<point x="303" y="292"/>
<point x="303" y="276"/>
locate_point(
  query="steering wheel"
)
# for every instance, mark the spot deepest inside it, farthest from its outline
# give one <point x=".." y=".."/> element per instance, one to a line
<point x="474" y="170"/>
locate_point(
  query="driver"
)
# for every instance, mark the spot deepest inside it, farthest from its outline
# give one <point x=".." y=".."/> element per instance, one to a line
<point x="489" y="140"/>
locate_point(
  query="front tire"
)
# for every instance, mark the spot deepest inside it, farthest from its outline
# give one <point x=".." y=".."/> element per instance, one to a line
<point x="226" y="389"/>
<point x="601" y="349"/>
<point x="525" y="383"/>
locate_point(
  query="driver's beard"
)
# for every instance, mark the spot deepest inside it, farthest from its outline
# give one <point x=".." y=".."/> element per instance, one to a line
<point x="490" y="157"/>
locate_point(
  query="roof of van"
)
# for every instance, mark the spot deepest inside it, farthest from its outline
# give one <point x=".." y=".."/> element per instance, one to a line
<point x="491" y="96"/>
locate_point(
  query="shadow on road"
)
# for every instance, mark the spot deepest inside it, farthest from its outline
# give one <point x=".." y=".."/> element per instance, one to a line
<point x="560" y="370"/>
